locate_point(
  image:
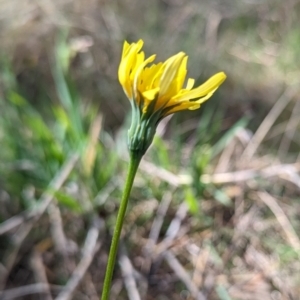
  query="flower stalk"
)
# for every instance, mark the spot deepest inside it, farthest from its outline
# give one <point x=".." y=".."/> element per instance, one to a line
<point x="134" y="162"/>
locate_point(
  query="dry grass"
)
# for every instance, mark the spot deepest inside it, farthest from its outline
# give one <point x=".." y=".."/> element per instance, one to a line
<point x="249" y="250"/>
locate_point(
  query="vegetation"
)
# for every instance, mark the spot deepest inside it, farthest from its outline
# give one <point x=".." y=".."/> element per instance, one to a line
<point x="214" y="210"/>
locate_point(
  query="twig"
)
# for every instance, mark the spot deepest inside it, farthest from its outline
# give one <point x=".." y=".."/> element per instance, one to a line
<point x="173" y="228"/>
<point x="116" y="289"/>
<point x="183" y="275"/>
<point x="172" y="232"/>
<point x="45" y="199"/>
<point x="176" y="222"/>
<point x="30" y="289"/>
<point x="89" y="249"/>
<point x="291" y="176"/>
<point x="57" y="231"/>
<point x="161" y="173"/>
<point x="39" y="272"/>
<point x="89" y="286"/>
<point x="269" y="120"/>
<point x="225" y="156"/>
<point x="282" y="219"/>
<point x="59" y="238"/>
<point x="244" y="175"/>
<point x="148" y="250"/>
<point x="228" y="177"/>
<point x="158" y="222"/>
<point x="128" y="276"/>
<point x="105" y="192"/>
<point x="200" y="266"/>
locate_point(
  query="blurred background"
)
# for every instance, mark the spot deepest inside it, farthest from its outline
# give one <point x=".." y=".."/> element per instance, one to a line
<point x="214" y="213"/>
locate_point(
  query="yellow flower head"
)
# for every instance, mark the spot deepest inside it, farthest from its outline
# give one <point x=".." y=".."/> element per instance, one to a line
<point x="157" y="90"/>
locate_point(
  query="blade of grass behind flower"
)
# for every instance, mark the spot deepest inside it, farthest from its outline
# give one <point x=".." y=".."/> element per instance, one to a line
<point x="161" y="152"/>
<point x="209" y="123"/>
<point x="229" y="135"/>
<point x="65" y="88"/>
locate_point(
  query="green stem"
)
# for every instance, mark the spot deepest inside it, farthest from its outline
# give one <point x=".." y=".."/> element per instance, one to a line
<point x="135" y="159"/>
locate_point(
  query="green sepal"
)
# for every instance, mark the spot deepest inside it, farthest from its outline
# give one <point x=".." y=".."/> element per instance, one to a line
<point x="143" y="126"/>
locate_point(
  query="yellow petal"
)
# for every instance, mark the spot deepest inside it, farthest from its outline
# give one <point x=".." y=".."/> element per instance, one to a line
<point x="130" y="57"/>
<point x="151" y="94"/>
<point x="125" y="49"/>
<point x="190" y="84"/>
<point x="138" y="74"/>
<point x="210" y="85"/>
<point x="172" y="65"/>
<point x="155" y="80"/>
<point x="190" y="105"/>
<point x="203" y="99"/>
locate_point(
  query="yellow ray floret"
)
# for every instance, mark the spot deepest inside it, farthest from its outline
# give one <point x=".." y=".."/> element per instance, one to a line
<point x="162" y="84"/>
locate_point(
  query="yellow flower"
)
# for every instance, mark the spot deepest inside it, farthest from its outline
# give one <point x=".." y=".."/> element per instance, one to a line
<point x="157" y="90"/>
